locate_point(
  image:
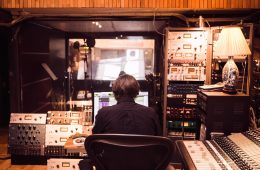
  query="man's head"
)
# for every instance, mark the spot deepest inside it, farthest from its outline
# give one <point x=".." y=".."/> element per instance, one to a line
<point x="125" y="86"/>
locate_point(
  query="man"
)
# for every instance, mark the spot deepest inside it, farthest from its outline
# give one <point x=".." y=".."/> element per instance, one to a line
<point x="127" y="117"/>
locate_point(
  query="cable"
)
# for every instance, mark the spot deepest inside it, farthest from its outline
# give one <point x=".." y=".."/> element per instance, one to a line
<point x="155" y="27"/>
<point x="5" y="156"/>
<point x="245" y="18"/>
<point x="244" y="72"/>
<point x="207" y="22"/>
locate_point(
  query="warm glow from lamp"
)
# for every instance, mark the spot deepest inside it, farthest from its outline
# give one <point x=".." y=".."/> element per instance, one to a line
<point x="231" y="43"/>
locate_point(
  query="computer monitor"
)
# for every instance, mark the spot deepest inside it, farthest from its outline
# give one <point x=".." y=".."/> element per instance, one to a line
<point x="103" y="99"/>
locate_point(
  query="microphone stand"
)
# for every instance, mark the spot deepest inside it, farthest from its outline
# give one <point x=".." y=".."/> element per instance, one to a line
<point x="69" y="87"/>
<point x="86" y="70"/>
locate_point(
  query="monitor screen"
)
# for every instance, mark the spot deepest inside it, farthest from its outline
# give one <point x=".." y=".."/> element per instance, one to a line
<point x="103" y="99"/>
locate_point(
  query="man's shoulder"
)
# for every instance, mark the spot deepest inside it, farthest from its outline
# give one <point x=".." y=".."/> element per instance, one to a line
<point x="146" y="108"/>
<point x="104" y="108"/>
<point x="107" y="108"/>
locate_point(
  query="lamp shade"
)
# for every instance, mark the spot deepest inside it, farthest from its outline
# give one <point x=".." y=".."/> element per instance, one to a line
<point x="231" y="42"/>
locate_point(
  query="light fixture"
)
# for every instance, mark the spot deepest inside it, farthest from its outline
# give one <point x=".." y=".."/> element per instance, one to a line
<point x="201" y="22"/>
<point x="97" y="24"/>
<point x="231" y="43"/>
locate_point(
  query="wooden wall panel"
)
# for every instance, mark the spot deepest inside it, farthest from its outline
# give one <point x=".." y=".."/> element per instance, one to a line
<point x="244" y="3"/>
<point x="228" y="3"/>
<point x="197" y="4"/>
<point x="177" y="3"/>
<point x="74" y="3"/>
<point x="109" y="4"/>
<point x="118" y="4"/>
<point x="209" y="4"/>
<point x="182" y="4"/>
<point x="105" y="2"/>
<point x="218" y="4"/>
<point x="165" y="4"/>
<point x="189" y="3"/>
<point x="252" y="4"/>
<point x="224" y="3"/>
<point x="154" y="4"/>
<point x="147" y="3"/>
<point x="122" y="3"/>
<point x="221" y="3"/>
<point x="160" y="4"/>
<point x="34" y="4"/>
<point x="134" y="4"/>
<point x="203" y="4"/>
<point x="16" y="4"/>
<point x="213" y="3"/>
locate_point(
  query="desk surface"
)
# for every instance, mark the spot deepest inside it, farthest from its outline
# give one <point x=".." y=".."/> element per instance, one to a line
<point x="72" y="147"/>
<point x="216" y="93"/>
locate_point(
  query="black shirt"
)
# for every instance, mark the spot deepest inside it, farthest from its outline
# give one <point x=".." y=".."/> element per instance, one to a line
<point x="127" y="117"/>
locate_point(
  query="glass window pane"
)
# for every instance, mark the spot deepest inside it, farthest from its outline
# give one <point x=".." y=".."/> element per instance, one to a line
<point x="110" y="56"/>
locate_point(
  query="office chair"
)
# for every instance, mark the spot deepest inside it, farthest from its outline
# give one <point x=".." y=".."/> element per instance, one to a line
<point x="129" y="152"/>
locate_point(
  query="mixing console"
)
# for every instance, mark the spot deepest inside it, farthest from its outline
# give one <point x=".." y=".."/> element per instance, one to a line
<point x="236" y="151"/>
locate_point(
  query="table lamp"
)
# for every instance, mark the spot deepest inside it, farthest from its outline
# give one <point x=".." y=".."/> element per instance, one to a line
<point x="231" y="43"/>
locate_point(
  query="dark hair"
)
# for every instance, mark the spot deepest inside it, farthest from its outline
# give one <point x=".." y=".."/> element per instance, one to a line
<point x="125" y="86"/>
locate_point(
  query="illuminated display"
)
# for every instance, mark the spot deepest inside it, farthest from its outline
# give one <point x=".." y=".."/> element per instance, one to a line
<point x="186" y="35"/>
<point x="64" y="129"/>
<point x="63" y="139"/>
<point x="186" y="46"/>
<point x="65" y="164"/>
<point x="75" y="114"/>
<point x="103" y="99"/>
<point x="178" y="54"/>
<point x="174" y="69"/>
<point x="191" y="70"/>
<point x="27" y="117"/>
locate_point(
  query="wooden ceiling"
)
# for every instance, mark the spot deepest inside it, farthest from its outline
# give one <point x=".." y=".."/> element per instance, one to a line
<point x="126" y="15"/>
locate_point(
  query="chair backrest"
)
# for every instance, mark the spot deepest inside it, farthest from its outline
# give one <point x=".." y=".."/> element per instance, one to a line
<point x="129" y="152"/>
